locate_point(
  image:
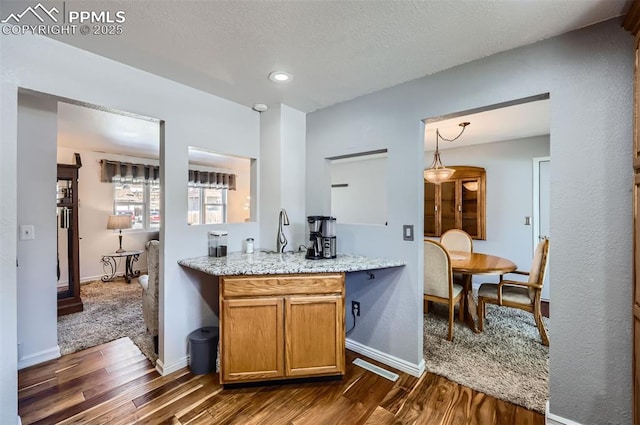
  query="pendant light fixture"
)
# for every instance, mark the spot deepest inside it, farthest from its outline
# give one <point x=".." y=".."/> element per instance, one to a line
<point x="438" y="173"/>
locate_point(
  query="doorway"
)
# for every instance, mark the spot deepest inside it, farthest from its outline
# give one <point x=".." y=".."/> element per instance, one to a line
<point x="118" y="213"/>
<point x="503" y="140"/>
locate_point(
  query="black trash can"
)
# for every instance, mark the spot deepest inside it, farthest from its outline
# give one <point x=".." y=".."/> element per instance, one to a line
<point x="203" y="344"/>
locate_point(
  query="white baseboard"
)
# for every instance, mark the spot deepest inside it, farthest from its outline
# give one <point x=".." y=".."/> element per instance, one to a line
<point x="87" y="279"/>
<point x="90" y="278"/>
<point x="167" y="369"/>
<point x="551" y="419"/>
<point x="391" y="361"/>
<point x="39" y="357"/>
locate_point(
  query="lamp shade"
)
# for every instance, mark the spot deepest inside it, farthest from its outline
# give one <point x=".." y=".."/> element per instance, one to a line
<point x="122" y="221"/>
<point x="438" y="175"/>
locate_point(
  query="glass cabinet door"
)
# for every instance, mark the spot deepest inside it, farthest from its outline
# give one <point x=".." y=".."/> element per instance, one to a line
<point x="447" y="206"/>
<point x="430" y="214"/>
<point x="68" y="270"/>
<point x="469" y="207"/>
<point x="65" y="272"/>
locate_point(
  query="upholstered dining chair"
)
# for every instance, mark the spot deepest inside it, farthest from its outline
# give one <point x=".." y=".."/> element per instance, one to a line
<point x="522" y="295"/>
<point x="438" y="282"/>
<point x="457" y="240"/>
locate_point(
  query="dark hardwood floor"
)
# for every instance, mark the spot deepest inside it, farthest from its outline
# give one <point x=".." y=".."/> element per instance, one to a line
<point x="115" y="384"/>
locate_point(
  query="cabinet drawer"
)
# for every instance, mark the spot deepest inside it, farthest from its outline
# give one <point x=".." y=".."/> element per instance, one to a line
<point x="243" y="286"/>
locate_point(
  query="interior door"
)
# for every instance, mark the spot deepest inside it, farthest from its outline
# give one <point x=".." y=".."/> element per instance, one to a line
<point x="541" y="204"/>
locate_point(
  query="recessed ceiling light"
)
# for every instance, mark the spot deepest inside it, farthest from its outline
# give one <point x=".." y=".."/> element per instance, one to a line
<point x="280" y="77"/>
<point x="260" y="107"/>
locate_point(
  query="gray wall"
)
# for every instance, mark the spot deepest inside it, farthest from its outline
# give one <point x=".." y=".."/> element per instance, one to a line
<point x="364" y="198"/>
<point x="588" y="74"/>
<point x="37" y="135"/>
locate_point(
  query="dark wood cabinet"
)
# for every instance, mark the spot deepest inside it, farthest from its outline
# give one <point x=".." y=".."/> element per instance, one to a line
<point x="69" y="300"/>
<point x="458" y="203"/>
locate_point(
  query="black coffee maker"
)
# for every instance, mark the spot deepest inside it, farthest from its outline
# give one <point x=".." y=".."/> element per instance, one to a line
<point x="322" y="237"/>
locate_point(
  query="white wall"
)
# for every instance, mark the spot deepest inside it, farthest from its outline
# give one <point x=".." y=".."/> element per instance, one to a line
<point x="589" y="75"/>
<point x="364" y="199"/>
<point x="509" y="195"/>
<point x="187" y="300"/>
<point x="282" y="176"/>
<point x="37" y="294"/>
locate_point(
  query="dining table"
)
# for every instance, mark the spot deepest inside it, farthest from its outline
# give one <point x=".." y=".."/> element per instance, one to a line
<point x="476" y="263"/>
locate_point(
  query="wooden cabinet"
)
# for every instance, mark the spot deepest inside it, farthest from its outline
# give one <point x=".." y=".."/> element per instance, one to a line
<point x="458" y="203"/>
<point x="68" y="270"/>
<point x="632" y="24"/>
<point x="281" y="326"/>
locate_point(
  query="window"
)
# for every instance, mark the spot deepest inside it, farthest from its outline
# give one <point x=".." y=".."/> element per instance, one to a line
<point x="207" y="206"/>
<point x="140" y="201"/>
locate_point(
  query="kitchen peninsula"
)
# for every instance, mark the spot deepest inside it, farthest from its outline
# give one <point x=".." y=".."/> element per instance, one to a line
<point x="281" y="315"/>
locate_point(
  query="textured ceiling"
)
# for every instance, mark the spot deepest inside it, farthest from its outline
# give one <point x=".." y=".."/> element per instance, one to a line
<point x="336" y="50"/>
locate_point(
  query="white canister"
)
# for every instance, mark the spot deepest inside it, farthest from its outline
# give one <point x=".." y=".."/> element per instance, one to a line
<point x="249" y="246"/>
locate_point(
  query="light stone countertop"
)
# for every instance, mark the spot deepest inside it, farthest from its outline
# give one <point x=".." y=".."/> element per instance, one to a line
<point x="260" y="263"/>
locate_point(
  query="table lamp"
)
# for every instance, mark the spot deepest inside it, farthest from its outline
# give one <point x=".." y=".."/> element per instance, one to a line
<point x="119" y="222"/>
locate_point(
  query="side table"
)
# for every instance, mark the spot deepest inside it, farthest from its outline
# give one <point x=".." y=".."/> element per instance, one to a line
<point x="110" y="265"/>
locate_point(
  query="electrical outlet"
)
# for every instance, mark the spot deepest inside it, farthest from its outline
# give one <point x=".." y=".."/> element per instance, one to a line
<point x="355" y="308"/>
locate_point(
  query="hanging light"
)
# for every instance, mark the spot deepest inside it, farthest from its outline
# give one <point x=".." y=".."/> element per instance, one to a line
<point x="438" y="173"/>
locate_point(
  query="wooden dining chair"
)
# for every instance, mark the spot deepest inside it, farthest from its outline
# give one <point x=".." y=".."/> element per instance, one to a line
<point x="457" y="240"/>
<point x="438" y="282"/>
<point x="522" y="295"/>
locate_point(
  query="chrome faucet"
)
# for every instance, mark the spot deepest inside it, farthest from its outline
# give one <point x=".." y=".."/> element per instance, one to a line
<point x="283" y="220"/>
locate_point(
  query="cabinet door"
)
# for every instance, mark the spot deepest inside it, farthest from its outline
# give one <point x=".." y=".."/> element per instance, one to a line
<point x="430" y="209"/>
<point x="314" y="335"/>
<point x="448" y="206"/>
<point x="252" y="339"/>
<point x="469" y="207"/>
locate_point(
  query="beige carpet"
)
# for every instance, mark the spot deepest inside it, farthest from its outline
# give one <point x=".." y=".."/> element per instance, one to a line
<point x="112" y="310"/>
<point x="506" y="361"/>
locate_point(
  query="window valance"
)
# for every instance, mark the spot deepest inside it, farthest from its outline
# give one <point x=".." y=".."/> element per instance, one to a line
<point x="212" y="180"/>
<point x="126" y="172"/>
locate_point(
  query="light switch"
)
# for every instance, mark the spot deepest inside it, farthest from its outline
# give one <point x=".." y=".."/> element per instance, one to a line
<point x="407" y="232"/>
<point x="527" y="221"/>
<point x="27" y="232"/>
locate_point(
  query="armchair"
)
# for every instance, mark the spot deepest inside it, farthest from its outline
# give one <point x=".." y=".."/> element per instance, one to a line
<point x="150" y="283"/>
<point x="522" y="295"/>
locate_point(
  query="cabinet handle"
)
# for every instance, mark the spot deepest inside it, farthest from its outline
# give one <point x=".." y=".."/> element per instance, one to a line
<point x="460" y="208"/>
<point x="436" y="208"/>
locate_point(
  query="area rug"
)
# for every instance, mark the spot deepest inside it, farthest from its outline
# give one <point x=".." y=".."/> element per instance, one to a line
<point x="506" y="361"/>
<point x="112" y="310"/>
